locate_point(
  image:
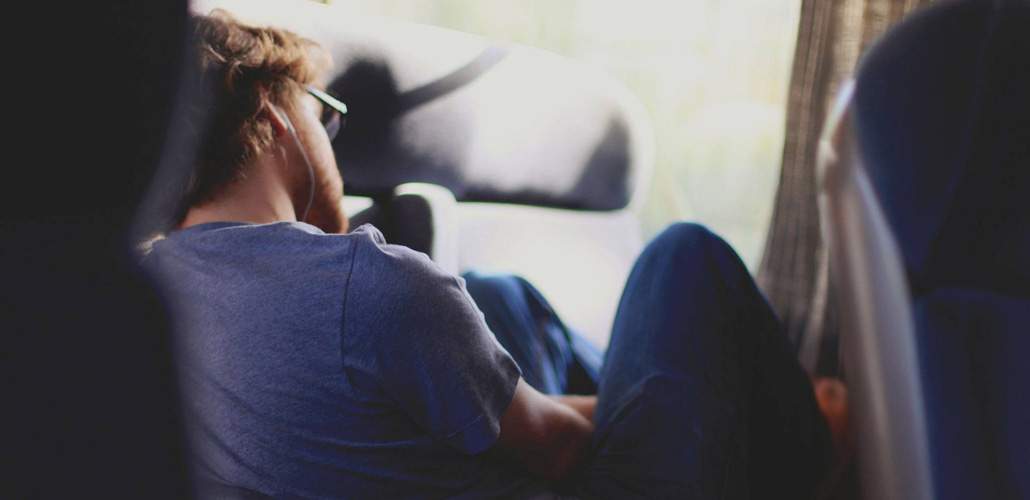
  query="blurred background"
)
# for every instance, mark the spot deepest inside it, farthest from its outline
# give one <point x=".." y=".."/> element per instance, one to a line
<point x="712" y="75"/>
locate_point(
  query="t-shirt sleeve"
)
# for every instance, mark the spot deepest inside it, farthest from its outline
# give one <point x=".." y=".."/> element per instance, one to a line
<point x="431" y="351"/>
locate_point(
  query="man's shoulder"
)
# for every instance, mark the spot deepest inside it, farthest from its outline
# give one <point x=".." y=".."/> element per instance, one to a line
<point x="373" y="248"/>
<point x="394" y="266"/>
<point x="243" y="237"/>
<point x="253" y="251"/>
<point x="404" y="281"/>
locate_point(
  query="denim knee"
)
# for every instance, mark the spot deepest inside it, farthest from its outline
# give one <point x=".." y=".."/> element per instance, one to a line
<point x="686" y="233"/>
<point x="689" y="248"/>
<point x="686" y="237"/>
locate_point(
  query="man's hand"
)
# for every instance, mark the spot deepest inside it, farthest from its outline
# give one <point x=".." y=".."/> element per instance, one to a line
<point x="329" y="217"/>
<point x="548" y="437"/>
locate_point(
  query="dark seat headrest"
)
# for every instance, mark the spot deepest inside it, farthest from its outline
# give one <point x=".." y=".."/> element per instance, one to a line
<point x="942" y="110"/>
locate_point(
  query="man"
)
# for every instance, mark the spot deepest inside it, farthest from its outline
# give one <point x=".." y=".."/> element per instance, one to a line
<point x="322" y="364"/>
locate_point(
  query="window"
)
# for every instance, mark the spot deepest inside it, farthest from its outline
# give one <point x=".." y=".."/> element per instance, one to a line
<point x="713" y="75"/>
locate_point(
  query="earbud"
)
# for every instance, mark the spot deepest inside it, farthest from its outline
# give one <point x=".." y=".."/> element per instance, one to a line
<point x="282" y="116"/>
<point x="304" y="155"/>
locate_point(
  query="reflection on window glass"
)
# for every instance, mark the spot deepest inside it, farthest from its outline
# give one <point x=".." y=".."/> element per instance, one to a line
<point x="713" y="75"/>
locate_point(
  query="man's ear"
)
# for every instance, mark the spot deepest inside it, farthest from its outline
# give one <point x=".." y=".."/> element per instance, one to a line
<point x="277" y="118"/>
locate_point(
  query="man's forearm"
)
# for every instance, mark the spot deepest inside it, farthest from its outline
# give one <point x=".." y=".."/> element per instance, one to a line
<point x="584" y="405"/>
<point x="568" y="445"/>
<point x="548" y="437"/>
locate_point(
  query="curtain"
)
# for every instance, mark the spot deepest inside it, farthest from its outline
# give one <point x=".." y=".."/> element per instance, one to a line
<point x="794" y="269"/>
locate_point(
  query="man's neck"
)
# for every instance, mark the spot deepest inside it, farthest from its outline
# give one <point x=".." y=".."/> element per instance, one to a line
<point x="261" y="198"/>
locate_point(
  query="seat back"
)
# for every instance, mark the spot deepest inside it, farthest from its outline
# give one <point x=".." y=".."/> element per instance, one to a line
<point x="931" y="166"/>
<point x="92" y="406"/>
<point x="878" y="336"/>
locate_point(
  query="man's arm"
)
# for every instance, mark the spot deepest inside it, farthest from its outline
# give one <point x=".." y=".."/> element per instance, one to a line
<point x="546" y="436"/>
<point x="584" y="405"/>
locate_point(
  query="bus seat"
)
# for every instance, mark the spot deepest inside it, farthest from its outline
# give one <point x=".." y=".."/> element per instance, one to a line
<point x="91" y="400"/>
<point x="924" y="177"/>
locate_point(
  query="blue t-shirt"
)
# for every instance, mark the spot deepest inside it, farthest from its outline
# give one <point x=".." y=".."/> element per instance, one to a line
<point x="323" y="365"/>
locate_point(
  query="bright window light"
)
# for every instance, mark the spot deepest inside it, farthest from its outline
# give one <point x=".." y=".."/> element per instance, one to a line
<point x="713" y="75"/>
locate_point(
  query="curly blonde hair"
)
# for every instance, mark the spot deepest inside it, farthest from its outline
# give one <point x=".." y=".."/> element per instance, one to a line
<point x="247" y="68"/>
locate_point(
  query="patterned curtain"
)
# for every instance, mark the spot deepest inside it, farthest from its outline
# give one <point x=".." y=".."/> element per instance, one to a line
<point x="832" y="34"/>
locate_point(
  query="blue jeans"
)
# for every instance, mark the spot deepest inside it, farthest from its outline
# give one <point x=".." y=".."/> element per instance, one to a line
<point x="699" y="393"/>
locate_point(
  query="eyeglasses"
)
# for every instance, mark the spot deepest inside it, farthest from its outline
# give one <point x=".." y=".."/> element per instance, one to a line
<point x="332" y="111"/>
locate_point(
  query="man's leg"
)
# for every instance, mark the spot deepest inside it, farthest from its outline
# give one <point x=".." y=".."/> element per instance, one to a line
<point x="553" y="358"/>
<point x="700" y="394"/>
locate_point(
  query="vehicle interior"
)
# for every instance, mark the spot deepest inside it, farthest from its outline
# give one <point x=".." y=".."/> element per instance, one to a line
<point x="894" y="246"/>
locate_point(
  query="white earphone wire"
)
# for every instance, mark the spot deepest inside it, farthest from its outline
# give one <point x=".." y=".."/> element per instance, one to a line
<point x="304" y="155"/>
